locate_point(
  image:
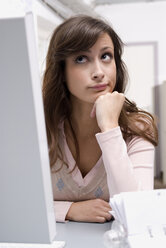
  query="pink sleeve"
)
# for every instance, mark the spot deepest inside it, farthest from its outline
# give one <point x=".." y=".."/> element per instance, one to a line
<point x="61" y="208"/>
<point x="128" y="167"/>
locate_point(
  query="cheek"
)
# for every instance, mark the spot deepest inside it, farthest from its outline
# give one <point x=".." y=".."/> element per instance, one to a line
<point x="112" y="73"/>
<point x="74" y="76"/>
<point x="112" y="77"/>
<point x="73" y="80"/>
<point x="70" y="76"/>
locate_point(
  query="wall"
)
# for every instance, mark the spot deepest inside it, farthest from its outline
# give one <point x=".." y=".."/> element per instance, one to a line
<point x="45" y="21"/>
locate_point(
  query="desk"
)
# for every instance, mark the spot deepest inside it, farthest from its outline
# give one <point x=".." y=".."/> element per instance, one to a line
<point x="81" y="235"/>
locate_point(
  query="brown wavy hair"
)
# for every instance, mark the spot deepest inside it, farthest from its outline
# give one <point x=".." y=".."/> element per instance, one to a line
<point x="79" y="33"/>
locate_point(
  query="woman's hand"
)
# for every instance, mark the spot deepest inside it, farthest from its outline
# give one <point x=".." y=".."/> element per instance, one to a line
<point x="89" y="211"/>
<point x="107" y="109"/>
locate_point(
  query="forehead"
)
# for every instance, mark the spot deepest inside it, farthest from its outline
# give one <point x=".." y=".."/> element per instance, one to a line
<point x="104" y="40"/>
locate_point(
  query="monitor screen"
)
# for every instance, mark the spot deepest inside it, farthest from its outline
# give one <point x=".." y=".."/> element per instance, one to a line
<point x="26" y="209"/>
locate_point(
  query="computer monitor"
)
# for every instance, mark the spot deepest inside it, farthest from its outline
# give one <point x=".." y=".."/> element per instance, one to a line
<point x="26" y="200"/>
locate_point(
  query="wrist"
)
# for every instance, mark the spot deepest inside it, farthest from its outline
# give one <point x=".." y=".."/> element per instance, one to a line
<point x="69" y="215"/>
<point x="106" y="128"/>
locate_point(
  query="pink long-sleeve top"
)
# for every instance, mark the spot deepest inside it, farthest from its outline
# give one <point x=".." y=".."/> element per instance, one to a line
<point x="123" y="166"/>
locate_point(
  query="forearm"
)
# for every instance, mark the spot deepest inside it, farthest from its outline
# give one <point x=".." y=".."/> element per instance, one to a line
<point x="127" y="170"/>
<point x="61" y="209"/>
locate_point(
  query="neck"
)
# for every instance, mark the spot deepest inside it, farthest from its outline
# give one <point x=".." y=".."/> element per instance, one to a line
<point x="83" y="124"/>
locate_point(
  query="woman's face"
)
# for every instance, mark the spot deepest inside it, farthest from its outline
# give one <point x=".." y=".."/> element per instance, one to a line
<point x="92" y="73"/>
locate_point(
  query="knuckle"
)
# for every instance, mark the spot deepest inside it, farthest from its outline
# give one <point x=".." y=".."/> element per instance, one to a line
<point x="121" y="94"/>
<point x="109" y="216"/>
<point x="108" y="94"/>
<point x="99" y="201"/>
<point x="102" y="220"/>
<point x="100" y="98"/>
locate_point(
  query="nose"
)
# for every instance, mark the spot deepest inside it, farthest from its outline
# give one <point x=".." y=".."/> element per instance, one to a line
<point x="97" y="73"/>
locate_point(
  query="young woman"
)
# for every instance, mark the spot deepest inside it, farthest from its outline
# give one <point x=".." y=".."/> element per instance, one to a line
<point x="100" y="143"/>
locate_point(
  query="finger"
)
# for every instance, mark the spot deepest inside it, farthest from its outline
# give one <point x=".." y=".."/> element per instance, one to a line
<point x="107" y="209"/>
<point x="107" y="205"/>
<point x="108" y="216"/>
<point x="93" y="111"/>
<point x="100" y="219"/>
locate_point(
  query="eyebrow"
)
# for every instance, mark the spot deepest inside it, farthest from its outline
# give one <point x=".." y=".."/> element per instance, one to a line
<point x="103" y="49"/>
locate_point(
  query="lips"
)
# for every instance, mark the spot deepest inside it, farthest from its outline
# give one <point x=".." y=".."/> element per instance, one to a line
<point x="99" y="86"/>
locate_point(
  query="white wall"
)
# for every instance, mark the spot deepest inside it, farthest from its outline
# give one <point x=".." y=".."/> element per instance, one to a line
<point x="11" y="8"/>
<point x="140" y="22"/>
<point x="45" y="21"/>
<point x="139" y="59"/>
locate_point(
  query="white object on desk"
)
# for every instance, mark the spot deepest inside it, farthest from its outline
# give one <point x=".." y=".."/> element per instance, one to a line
<point x="141" y="241"/>
<point x="143" y="215"/>
<point x="141" y="212"/>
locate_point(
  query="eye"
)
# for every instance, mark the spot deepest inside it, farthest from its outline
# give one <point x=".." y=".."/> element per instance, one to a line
<point x="107" y="57"/>
<point x="81" y="59"/>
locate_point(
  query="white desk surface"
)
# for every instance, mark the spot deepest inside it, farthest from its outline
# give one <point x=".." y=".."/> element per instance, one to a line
<point x="78" y="234"/>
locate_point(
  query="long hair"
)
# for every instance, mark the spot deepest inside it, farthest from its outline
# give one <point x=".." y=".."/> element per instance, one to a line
<point x="79" y="33"/>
